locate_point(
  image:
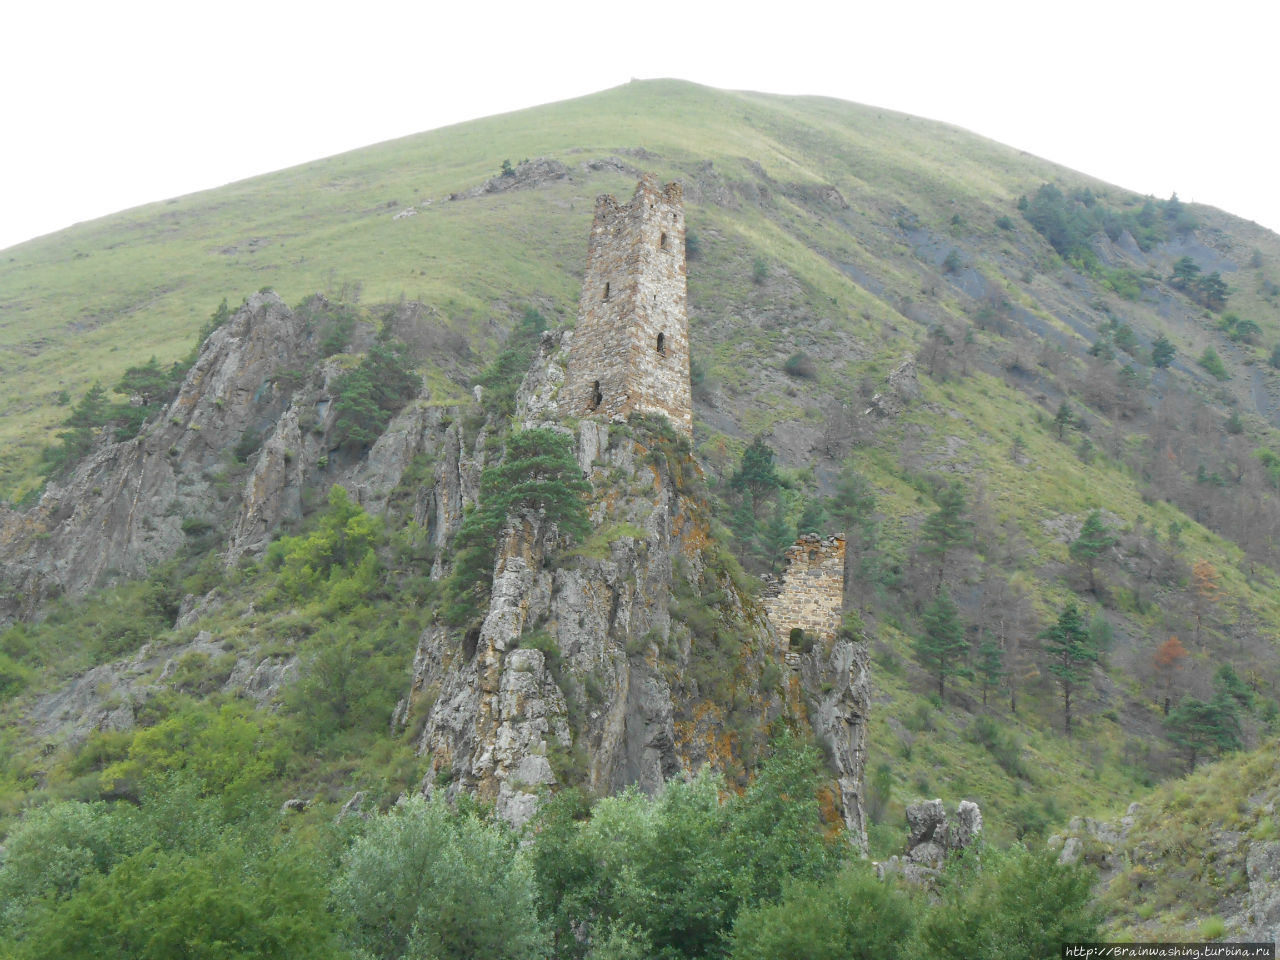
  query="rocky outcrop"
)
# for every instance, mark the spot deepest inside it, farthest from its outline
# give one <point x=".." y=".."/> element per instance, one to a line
<point x="123" y="509"/>
<point x="835" y="681"/>
<point x="902" y="388"/>
<point x="131" y="505"/>
<point x="111" y="696"/>
<point x="629" y="659"/>
<point x="932" y="837"/>
<point x="523" y="176"/>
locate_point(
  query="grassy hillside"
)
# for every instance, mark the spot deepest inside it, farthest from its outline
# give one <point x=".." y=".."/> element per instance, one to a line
<point x="83" y="304"/>
<point x="828" y="242"/>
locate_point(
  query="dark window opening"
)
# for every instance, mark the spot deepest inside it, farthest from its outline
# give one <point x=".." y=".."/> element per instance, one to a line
<point x="597" y="397"/>
<point x="662" y="241"/>
<point x="606" y="291"/>
<point x="662" y="347"/>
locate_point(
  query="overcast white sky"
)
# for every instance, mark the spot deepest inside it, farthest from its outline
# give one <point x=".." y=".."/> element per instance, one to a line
<point x="107" y="105"/>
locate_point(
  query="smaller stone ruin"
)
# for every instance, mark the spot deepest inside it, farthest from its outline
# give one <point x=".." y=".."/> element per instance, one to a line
<point x="810" y="594"/>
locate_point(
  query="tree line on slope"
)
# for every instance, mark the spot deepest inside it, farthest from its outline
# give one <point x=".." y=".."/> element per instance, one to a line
<point x="694" y="872"/>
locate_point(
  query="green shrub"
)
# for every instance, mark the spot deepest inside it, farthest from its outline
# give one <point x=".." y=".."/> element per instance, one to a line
<point x="855" y="916"/>
<point x="1002" y="905"/>
<point x="368" y="396"/>
<point x="800" y="365"/>
<point x="1213" y="364"/>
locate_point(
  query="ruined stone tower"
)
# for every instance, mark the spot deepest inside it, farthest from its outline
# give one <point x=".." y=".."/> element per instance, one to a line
<point x="631" y="347"/>
<point x="811" y="592"/>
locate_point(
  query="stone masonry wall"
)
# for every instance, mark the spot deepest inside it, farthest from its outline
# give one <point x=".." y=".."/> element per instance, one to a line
<point x="811" y="591"/>
<point x="631" y="346"/>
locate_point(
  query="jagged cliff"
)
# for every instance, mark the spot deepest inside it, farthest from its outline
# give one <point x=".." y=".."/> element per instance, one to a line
<point x="122" y="509"/>
<point x="634" y="658"/>
<point x="639" y="655"/>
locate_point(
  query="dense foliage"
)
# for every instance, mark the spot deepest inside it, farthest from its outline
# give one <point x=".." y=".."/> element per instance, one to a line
<point x="538" y="475"/>
<point x="204" y="868"/>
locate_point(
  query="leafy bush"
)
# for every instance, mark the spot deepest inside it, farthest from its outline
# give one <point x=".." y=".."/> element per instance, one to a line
<point x="855" y="916"/>
<point x="800" y="365"/>
<point x="425" y="881"/>
<point x="1003" y="905"/>
<point x="176" y="877"/>
<point x="230" y="751"/>
<point x="336" y="562"/>
<point x="1213" y="364"/>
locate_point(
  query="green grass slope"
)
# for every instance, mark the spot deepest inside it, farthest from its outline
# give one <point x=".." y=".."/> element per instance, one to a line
<point x="857" y="237"/>
<point x="82" y="304"/>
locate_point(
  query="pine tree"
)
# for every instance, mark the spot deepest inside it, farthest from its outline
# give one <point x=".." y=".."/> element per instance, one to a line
<point x="990" y="667"/>
<point x="947" y="528"/>
<point x="776" y="536"/>
<point x="1071" y="655"/>
<point x="1212" y="291"/>
<point x="1197" y="726"/>
<point x="756" y="476"/>
<point x="941" y="647"/>
<point x="1088" y="548"/>
<point x="854" y="508"/>
<point x="1162" y="352"/>
<point x="1184" y="275"/>
<point x="1063" y="418"/>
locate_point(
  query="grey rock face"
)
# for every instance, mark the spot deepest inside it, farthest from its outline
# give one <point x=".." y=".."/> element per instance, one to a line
<point x="901" y="389"/>
<point x="932" y="837"/>
<point x="109" y="696"/>
<point x="836" y="682"/>
<point x="608" y="697"/>
<point x="121" y="511"/>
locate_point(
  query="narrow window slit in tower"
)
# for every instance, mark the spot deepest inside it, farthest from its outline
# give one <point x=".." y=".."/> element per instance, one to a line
<point x="662" y="241"/>
<point x="597" y="397"/>
<point x="606" y="291"/>
<point x="662" y="347"/>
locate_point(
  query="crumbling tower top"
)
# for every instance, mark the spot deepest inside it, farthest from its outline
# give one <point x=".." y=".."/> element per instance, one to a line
<point x="630" y="350"/>
<point x="810" y="594"/>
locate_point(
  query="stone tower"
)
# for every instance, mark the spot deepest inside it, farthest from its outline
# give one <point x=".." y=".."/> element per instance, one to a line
<point x="811" y="593"/>
<point x="631" y="347"/>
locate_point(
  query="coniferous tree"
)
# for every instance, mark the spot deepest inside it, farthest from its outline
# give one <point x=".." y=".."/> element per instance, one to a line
<point x="538" y="472"/>
<point x="990" y="666"/>
<point x="948" y="528"/>
<point x="1198" y="726"/>
<point x="1063" y="418"/>
<point x="1071" y="655"/>
<point x="941" y="647"/>
<point x="1162" y="352"/>
<point x="1088" y="548"/>
<point x="756" y="477"/>
<point x="1184" y="275"/>
<point x="854" y="508"/>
